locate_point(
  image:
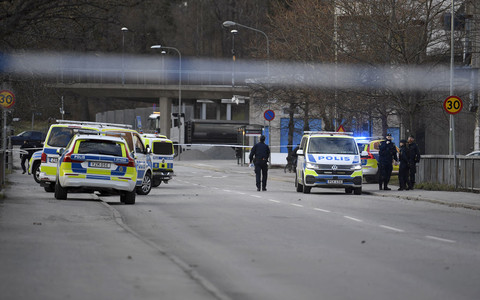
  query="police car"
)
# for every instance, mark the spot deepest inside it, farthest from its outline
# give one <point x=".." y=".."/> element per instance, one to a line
<point x="162" y="157"/>
<point x="92" y="163"/>
<point x="59" y="135"/>
<point x="34" y="165"/>
<point x="328" y="160"/>
<point x="369" y="150"/>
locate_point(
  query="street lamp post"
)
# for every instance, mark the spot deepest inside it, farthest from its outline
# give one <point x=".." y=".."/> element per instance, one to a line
<point x="179" y="89"/>
<point x="233" y="32"/>
<point x="231" y="23"/>
<point x="124" y="29"/>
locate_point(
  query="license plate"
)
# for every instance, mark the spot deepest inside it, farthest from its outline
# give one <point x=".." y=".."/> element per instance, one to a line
<point x="335" y="181"/>
<point x="53" y="160"/>
<point x="95" y="164"/>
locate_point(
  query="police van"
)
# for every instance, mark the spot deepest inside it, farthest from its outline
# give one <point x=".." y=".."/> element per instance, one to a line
<point x="59" y="135"/>
<point x="162" y="157"/>
<point x="328" y="160"/>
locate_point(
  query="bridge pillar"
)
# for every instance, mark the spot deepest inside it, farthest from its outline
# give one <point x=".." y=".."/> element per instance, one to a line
<point x="165" y="106"/>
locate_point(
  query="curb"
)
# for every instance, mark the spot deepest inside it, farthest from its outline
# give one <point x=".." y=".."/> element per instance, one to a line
<point x="434" y="201"/>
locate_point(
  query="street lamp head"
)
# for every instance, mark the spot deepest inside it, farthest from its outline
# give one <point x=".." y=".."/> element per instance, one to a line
<point x="124" y="29"/>
<point x="163" y="52"/>
<point x="156" y="47"/>
<point x="233" y="31"/>
<point x="229" y="24"/>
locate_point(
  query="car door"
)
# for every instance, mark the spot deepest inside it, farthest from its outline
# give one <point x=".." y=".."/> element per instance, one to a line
<point x="301" y="159"/>
<point x="140" y="157"/>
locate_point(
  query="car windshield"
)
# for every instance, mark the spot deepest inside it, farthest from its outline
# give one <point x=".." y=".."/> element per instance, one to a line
<point x="60" y="136"/>
<point x="162" y="148"/>
<point x="332" y="145"/>
<point x="100" y="147"/>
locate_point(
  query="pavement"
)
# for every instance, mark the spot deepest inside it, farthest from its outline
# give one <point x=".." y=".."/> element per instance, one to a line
<point x="469" y="200"/>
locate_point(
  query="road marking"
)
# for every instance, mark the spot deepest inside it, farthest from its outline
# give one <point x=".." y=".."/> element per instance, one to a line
<point x="353" y="219"/>
<point x="271" y="200"/>
<point x="297" y="205"/>
<point x="256" y="196"/>
<point x="323" y="210"/>
<point x="392" y="228"/>
<point x="241" y="193"/>
<point x="439" y="239"/>
<point x="228" y="191"/>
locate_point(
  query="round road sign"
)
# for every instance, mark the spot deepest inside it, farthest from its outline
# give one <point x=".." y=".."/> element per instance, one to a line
<point x="7" y="99"/>
<point x="453" y="105"/>
<point x="269" y="115"/>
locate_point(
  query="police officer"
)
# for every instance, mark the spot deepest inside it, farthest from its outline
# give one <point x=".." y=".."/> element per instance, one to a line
<point x="413" y="159"/>
<point x="29" y="148"/>
<point x="387" y="153"/>
<point x="403" y="168"/>
<point x="260" y="154"/>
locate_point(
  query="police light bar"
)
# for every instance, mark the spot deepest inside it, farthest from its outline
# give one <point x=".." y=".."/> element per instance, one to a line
<point x="93" y="123"/>
<point x="328" y="132"/>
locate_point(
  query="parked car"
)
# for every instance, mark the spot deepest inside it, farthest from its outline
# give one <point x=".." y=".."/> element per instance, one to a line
<point x="474" y="154"/>
<point x="35" y="137"/>
<point x="369" y="148"/>
<point x="93" y="163"/>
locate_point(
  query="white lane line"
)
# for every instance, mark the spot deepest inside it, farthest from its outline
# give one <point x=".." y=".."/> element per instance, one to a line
<point x="353" y="219"/>
<point x="439" y="239"/>
<point x="322" y="210"/>
<point x="241" y="193"/>
<point x="256" y="196"/>
<point x="275" y="201"/>
<point x="228" y="191"/>
<point x="297" y="205"/>
<point x="392" y="228"/>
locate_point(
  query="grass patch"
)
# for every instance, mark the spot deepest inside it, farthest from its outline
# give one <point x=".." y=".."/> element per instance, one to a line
<point x="430" y="186"/>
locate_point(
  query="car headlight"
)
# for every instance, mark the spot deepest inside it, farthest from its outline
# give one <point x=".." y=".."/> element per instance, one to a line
<point x="357" y="167"/>
<point x="310" y="165"/>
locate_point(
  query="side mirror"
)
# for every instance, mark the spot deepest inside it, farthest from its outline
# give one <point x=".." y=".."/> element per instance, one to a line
<point x="60" y="151"/>
<point x="148" y="150"/>
<point x="300" y="152"/>
<point x="364" y="154"/>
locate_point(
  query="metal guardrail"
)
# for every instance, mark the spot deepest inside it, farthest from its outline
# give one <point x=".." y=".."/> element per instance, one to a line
<point x="441" y="169"/>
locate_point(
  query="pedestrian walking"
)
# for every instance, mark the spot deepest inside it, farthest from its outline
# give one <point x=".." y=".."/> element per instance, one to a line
<point x="413" y="159"/>
<point x="403" y="167"/>
<point x="387" y="154"/>
<point x="259" y="155"/>
<point x="28" y="149"/>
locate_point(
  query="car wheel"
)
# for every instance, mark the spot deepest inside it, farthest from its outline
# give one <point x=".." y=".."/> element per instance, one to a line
<point x="128" y="197"/>
<point x="298" y="185"/>
<point x="348" y="190"/>
<point x="156" y="182"/>
<point x="357" y="191"/>
<point x="50" y="188"/>
<point x="146" y="186"/>
<point x="60" y="192"/>
<point x="36" y="171"/>
<point x="307" y="189"/>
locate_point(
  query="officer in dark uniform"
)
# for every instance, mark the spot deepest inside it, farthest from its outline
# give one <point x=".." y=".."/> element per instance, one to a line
<point x="387" y="153"/>
<point x="29" y="148"/>
<point x="403" y="168"/>
<point x="413" y="159"/>
<point x="260" y="154"/>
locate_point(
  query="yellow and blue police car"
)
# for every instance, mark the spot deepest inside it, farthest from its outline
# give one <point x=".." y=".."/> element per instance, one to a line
<point x="369" y="150"/>
<point x="162" y="157"/>
<point x="328" y="160"/>
<point x="91" y="163"/>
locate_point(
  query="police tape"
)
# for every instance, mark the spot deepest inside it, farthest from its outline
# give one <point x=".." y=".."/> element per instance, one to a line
<point x="230" y="145"/>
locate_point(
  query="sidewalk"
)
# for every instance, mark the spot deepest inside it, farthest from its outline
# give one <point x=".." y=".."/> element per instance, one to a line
<point x="453" y="199"/>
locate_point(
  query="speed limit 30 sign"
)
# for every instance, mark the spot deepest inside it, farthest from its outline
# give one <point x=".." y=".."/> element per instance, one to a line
<point x="453" y="105"/>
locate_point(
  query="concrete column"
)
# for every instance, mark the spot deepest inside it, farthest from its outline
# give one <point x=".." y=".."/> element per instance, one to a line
<point x="229" y="111"/>
<point x="165" y="106"/>
<point x="204" y="111"/>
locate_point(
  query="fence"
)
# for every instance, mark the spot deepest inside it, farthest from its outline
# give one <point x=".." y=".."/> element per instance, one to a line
<point x="441" y="169"/>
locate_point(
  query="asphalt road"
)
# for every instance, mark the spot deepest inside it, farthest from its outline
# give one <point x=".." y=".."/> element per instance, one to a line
<point x="281" y="244"/>
<point x="210" y="235"/>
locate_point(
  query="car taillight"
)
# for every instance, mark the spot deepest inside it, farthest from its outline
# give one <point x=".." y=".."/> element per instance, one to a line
<point x="43" y="159"/>
<point x="370" y="155"/>
<point x="131" y="162"/>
